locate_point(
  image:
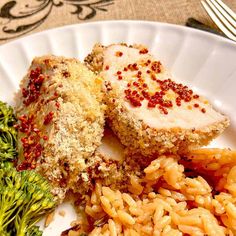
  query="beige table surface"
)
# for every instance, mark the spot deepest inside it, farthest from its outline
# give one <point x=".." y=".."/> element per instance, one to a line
<point x="22" y="17"/>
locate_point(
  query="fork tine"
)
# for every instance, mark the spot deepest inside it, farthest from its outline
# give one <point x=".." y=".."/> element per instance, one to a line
<point x="221" y="17"/>
<point x="224" y="12"/>
<point x="217" y="21"/>
<point x="227" y="9"/>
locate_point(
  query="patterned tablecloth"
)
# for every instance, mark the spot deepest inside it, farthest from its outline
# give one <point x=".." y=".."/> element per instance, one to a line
<point x="21" y="17"/>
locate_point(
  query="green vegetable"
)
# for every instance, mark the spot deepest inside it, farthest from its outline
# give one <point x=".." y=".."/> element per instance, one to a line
<point x="24" y="198"/>
<point x="34" y="231"/>
<point x="8" y="134"/>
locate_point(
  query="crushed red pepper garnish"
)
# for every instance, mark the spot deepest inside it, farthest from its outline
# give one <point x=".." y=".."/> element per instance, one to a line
<point x="156" y="66"/>
<point x="57" y="104"/>
<point x="45" y="137"/>
<point x="48" y="118"/>
<point x="119" y="54"/>
<point x="138" y="90"/>
<point x="32" y="148"/>
<point x="143" y="51"/>
<point x="32" y="91"/>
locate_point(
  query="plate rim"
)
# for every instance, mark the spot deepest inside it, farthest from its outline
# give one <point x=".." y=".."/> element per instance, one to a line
<point x="183" y="28"/>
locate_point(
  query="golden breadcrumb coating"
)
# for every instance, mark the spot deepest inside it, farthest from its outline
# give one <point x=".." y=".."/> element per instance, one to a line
<point x="60" y="104"/>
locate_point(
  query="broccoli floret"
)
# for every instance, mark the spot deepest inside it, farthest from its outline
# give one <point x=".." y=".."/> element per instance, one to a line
<point x="8" y="134"/>
<point x="24" y="198"/>
<point x="34" y="231"/>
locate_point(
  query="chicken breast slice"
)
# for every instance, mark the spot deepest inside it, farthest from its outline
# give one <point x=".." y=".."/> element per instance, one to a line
<point x="61" y="120"/>
<point x="147" y="109"/>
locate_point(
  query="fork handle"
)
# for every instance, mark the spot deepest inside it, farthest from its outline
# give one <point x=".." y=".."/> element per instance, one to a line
<point x="193" y="23"/>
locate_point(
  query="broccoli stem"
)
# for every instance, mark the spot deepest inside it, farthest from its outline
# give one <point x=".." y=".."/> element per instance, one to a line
<point x="22" y="230"/>
<point x="6" y="210"/>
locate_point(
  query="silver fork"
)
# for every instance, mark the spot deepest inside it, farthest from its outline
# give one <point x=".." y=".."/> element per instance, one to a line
<point x="222" y="15"/>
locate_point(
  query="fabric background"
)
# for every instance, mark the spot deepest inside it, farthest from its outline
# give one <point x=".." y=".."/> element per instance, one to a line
<point x="22" y="17"/>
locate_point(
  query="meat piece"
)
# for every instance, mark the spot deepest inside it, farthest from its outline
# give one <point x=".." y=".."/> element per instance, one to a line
<point x="147" y="110"/>
<point x="61" y="120"/>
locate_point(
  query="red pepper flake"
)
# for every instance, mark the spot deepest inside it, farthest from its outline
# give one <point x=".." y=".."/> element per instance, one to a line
<point x="163" y="110"/>
<point x="153" y="77"/>
<point x="25" y="92"/>
<point x="129" y="67"/>
<point x="24" y="166"/>
<point x="127" y="91"/>
<point x="48" y="118"/>
<point x="120" y="77"/>
<point x="156" y="66"/>
<point x="135" y="102"/>
<point x="32" y="91"/>
<point x="178" y="101"/>
<point x="26" y="123"/>
<point x="60" y="85"/>
<point x="138" y="90"/>
<point x="107" y="67"/>
<point x="45" y="137"/>
<point x="196" y="96"/>
<point x="125" y="69"/>
<point x="146" y="94"/>
<point x="135" y="66"/>
<point x="66" y="74"/>
<point x="119" y="54"/>
<point x="32" y="149"/>
<point x="151" y="104"/>
<point x="203" y="110"/>
<point x="118" y="72"/>
<point x="143" y="51"/>
<point x="57" y="104"/>
<point x="136" y="84"/>
<point x="196" y="105"/>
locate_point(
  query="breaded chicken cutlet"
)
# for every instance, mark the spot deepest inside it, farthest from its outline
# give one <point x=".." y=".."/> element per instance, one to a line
<point x="147" y="110"/>
<point x="61" y="120"/>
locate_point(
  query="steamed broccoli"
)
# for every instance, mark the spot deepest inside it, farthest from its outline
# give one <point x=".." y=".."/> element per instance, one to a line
<point x="8" y="134"/>
<point x="34" y="231"/>
<point x="24" y="198"/>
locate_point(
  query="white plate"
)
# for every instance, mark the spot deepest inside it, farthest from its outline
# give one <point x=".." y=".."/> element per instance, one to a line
<point x="202" y="60"/>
